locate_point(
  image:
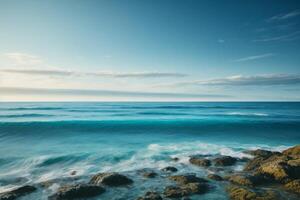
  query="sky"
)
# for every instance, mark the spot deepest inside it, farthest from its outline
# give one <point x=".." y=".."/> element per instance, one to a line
<point x="149" y="50"/>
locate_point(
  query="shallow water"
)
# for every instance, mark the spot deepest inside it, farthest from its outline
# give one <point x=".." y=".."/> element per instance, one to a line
<point x="45" y="141"/>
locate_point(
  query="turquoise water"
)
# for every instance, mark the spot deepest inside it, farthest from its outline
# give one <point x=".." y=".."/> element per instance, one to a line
<point x="45" y="141"/>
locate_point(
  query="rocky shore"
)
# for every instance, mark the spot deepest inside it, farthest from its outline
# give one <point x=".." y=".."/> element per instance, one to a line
<point x="267" y="175"/>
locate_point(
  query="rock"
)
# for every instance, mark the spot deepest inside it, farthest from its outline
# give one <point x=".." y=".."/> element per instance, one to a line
<point x="185" y="190"/>
<point x="110" y="179"/>
<point x="293" y="186"/>
<point x="73" y="173"/>
<point x="77" y="191"/>
<point x="261" y="153"/>
<point x="46" y="184"/>
<point x="215" y="177"/>
<point x="245" y="180"/>
<point x="293" y="152"/>
<point x="150" y="196"/>
<point x="277" y="168"/>
<point x="224" y="161"/>
<point x="202" y="162"/>
<point x="15" y="193"/>
<point x="254" y="163"/>
<point x="149" y="174"/>
<point x="175" y="159"/>
<point x="185" y="179"/>
<point x="240" y="193"/>
<point x="170" y="169"/>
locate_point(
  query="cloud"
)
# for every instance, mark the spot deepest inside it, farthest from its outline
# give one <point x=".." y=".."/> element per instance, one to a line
<point x="257" y="80"/>
<point x="23" y="59"/>
<point x="254" y="57"/>
<point x="101" y="93"/>
<point x="97" y="74"/>
<point x="284" y="16"/>
<point x="287" y="37"/>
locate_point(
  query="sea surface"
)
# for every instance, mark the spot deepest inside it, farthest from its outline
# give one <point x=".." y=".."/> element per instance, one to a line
<point x="48" y="141"/>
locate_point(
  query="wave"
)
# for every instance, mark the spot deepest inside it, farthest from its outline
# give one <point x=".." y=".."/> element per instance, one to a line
<point x="247" y="114"/>
<point x="25" y="115"/>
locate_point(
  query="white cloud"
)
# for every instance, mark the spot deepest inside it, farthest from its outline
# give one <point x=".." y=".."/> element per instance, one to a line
<point x="254" y="57"/>
<point x="284" y="16"/>
<point x="23" y="59"/>
<point x="240" y="80"/>
<point x="55" y="72"/>
<point x="287" y="37"/>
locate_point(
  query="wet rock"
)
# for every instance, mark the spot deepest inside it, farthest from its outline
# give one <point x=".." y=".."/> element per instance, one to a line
<point x="202" y="162"/>
<point x="46" y="184"/>
<point x="254" y="163"/>
<point x="241" y="193"/>
<point x="175" y="159"/>
<point x="293" y="152"/>
<point x="77" y="191"/>
<point x="15" y="193"/>
<point x="215" y="177"/>
<point x="150" y="196"/>
<point x="73" y="173"/>
<point x="261" y="153"/>
<point x="149" y="174"/>
<point x="245" y="180"/>
<point x="185" y="190"/>
<point x="170" y="169"/>
<point x="293" y="186"/>
<point x="111" y="179"/>
<point x="185" y="179"/>
<point x="224" y="161"/>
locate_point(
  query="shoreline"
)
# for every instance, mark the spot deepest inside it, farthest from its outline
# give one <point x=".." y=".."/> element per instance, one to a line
<point x="263" y="174"/>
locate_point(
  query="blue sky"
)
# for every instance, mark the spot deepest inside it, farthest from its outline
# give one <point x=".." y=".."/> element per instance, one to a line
<point x="149" y="50"/>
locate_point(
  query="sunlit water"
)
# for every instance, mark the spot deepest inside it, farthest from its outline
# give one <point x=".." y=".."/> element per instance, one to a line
<point x="45" y="141"/>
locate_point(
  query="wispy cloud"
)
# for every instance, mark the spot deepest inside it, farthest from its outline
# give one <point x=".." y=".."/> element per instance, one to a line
<point x="97" y="74"/>
<point x="254" y="57"/>
<point x="23" y="59"/>
<point x="239" y="80"/>
<point x="284" y="16"/>
<point x="101" y="93"/>
<point x="287" y="37"/>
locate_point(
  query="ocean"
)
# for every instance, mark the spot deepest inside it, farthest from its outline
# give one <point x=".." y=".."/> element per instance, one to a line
<point x="50" y="140"/>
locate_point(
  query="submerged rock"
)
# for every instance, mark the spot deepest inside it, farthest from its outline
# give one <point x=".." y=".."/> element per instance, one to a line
<point x="215" y="177"/>
<point x="77" y="191"/>
<point x="224" y="161"/>
<point x="185" y="179"/>
<point x="149" y="174"/>
<point x="293" y="186"/>
<point x="150" y="196"/>
<point x="241" y="193"/>
<point x="202" y="162"/>
<point x="170" y="169"/>
<point x="110" y="179"/>
<point x="15" y="193"/>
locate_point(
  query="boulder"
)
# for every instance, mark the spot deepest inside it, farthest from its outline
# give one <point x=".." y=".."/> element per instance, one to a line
<point x="15" y="193"/>
<point x="185" y="190"/>
<point x="293" y="152"/>
<point x="77" y="191"/>
<point x="254" y="163"/>
<point x="110" y="179"/>
<point x="149" y="174"/>
<point x="185" y="179"/>
<point x="293" y="186"/>
<point x="245" y="180"/>
<point x="224" y="161"/>
<point x="241" y="193"/>
<point x="261" y="153"/>
<point x="175" y="159"/>
<point x="202" y="162"/>
<point x="215" y="177"/>
<point x="170" y="169"/>
<point x="150" y="196"/>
